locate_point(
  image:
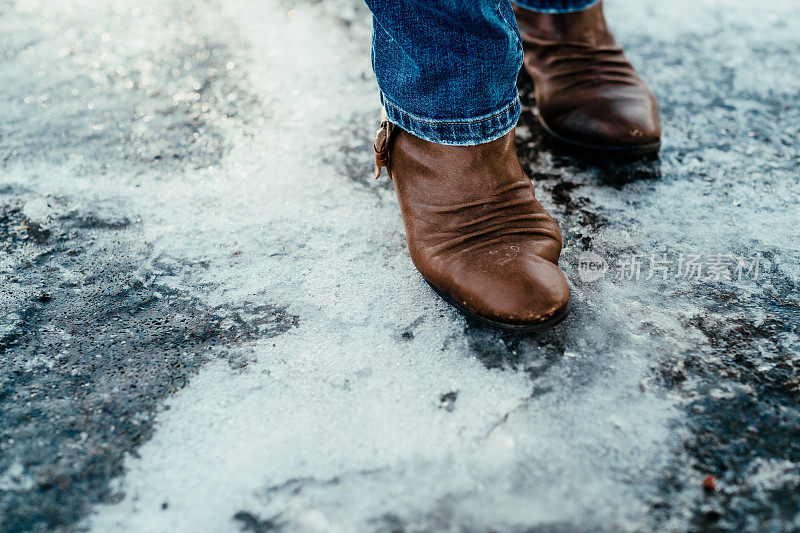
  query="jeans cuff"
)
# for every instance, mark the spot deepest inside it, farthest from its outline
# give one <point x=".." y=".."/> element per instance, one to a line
<point x="456" y="132"/>
<point x="555" y="6"/>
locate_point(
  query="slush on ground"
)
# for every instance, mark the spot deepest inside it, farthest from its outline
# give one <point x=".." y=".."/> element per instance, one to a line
<point x="209" y="320"/>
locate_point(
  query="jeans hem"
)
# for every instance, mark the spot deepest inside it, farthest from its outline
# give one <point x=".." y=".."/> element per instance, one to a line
<point x="555" y="6"/>
<point x="456" y="132"/>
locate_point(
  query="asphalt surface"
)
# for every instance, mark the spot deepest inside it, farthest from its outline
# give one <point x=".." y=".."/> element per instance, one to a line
<point x="209" y="321"/>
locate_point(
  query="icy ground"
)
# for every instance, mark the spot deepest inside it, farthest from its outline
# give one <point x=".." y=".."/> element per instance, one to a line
<point x="210" y="322"/>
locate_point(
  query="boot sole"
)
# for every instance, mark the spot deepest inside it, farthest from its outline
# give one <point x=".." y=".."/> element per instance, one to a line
<point x="620" y="151"/>
<point x="519" y="328"/>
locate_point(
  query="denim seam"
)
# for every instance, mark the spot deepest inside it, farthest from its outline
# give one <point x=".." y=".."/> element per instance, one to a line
<point x="476" y="120"/>
<point x="514" y="26"/>
<point x="471" y="131"/>
<point x="555" y="7"/>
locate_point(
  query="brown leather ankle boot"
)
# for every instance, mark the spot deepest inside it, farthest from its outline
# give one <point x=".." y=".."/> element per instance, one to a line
<point x="587" y="92"/>
<point x="475" y="231"/>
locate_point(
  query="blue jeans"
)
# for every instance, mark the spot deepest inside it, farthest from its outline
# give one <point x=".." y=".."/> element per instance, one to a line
<point x="447" y="69"/>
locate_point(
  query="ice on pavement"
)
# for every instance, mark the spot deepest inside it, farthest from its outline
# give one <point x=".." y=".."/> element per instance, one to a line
<point x="338" y="422"/>
<point x="344" y="403"/>
<point x="37" y="211"/>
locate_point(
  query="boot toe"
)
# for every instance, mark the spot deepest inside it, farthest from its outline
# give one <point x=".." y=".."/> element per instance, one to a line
<point x="535" y="293"/>
<point x="618" y="120"/>
<point x="522" y="291"/>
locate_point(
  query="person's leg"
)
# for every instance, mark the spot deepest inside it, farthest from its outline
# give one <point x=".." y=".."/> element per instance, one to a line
<point x="447" y="68"/>
<point x="447" y="72"/>
<point x="587" y="93"/>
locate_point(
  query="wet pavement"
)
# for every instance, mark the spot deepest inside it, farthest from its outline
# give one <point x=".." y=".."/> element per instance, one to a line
<point x="209" y="321"/>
